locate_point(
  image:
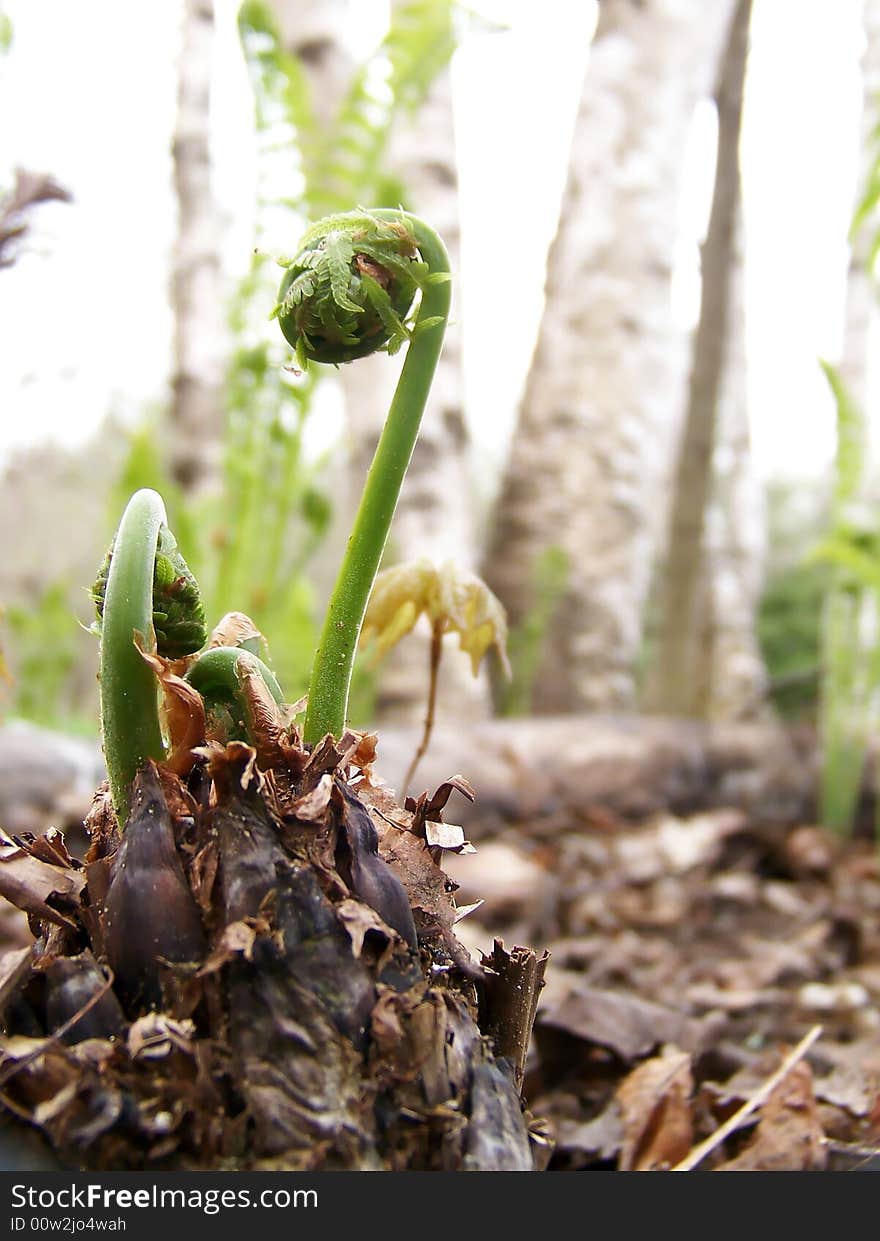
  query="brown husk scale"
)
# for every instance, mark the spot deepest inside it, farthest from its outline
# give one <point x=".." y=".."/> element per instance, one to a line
<point x="261" y="972"/>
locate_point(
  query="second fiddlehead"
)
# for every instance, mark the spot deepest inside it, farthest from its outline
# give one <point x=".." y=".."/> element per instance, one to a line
<point x="144" y="594"/>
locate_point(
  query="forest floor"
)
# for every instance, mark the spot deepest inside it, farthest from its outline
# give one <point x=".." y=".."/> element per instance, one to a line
<point x="714" y="976"/>
<point x="692" y="959"/>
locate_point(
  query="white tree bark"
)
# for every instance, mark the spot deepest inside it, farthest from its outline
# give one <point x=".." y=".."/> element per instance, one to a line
<point x="861" y="284"/>
<point x="604" y="393"/>
<point x="311" y="30"/>
<point x="197" y="295"/>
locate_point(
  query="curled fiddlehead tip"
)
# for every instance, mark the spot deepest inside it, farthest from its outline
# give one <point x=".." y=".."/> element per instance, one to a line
<point x="178" y="614"/>
<point x="349" y="290"/>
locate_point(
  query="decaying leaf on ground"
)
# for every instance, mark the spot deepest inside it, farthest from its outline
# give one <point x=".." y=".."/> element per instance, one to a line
<point x="655" y="1101"/>
<point x="789" y="1136"/>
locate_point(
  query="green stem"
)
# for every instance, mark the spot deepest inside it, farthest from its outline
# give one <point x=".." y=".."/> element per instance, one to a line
<point x="129" y="701"/>
<point x="334" y="659"/>
<point x="217" y="675"/>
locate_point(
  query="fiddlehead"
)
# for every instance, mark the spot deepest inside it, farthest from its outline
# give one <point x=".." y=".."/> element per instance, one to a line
<point x="144" y="589"/>
<point x="350" y="288"/>
<point x="350" y="291"/>
<point x="177" y="612"/>
<point x="218" y="674"/>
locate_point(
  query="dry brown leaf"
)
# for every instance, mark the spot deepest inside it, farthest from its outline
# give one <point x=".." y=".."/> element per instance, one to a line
<point x="358" y="920"/>
<point x="808" y="851"/>
<point x="28" y="883"/>
<point x="156" y="1035"/>
<point x="14" y="966"/>
<point x="655" y="1100"/>
<point x="447" y="836"/>
<point x="312" y="805"/>
<point x="624" y="1024"/>
<point x="237" y="940"/>
<point x="846" y="1086"/>
<point x="234" y="629"/>
<point x="365" y="754"/>
<point x="599" y="1138"/>
<point x="184" y="713"/>
<point x="464" y="911"/>
<point x="789" y="1136"/>
<point x="50" y="848"/>
<point x="673" y="846"/>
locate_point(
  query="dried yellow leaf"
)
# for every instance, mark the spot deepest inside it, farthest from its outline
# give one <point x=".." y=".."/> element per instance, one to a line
<point x="457" y="600"/>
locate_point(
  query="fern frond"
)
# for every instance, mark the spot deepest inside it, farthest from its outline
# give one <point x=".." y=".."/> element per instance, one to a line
<point x="851" y="435"/>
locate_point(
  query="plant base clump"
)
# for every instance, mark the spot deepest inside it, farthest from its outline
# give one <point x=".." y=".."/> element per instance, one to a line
<point x="261" y="973"/>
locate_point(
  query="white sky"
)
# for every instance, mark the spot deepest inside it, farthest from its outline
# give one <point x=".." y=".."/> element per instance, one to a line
<point x="88" y="93"/>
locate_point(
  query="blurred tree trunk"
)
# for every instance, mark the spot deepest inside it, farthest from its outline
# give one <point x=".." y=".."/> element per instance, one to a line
<point x="435" y="517"/>
<point x="707" y="663"/>
<point x="861" y="288"/>
<point x="29" y="190"/>
<point x="731" y="676"/>
<point x="850" y="622"/>
<point x="604" y="390"/>
<point x="311" y="30"/>
<point x="196" y="411"/>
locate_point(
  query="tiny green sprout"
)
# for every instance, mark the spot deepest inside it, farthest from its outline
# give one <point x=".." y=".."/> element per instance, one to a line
<point x="363" y="282"/>
<point x="454" y="601"/>
<point x="218" y="674"/>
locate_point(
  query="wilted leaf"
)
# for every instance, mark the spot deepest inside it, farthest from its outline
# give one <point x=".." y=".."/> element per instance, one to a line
<point x="237" y="940"/>
<point x="600" y="1138"/>
<point x="464" y="911"/>
<point x="14" y="967"/>
<point x="655" y="1101"/>
<point x="184" y="712"/>
<point x="449" y="596"/>
<point x="358" y="920"/>
<point x="236" y="629"/>
<point x="624" y="1024"/>
<point x="789" y="1136"/>
<point x="157" y="1035"/>
<point x="848" y="1087"/>
<point x="28" y="883"/>
<point x="312" y="805"/>
<point x="427" y="816"/>
<point x="447" y="836"/>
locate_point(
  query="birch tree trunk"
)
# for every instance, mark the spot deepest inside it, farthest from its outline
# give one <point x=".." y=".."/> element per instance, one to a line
<point x="707" y="663"/>
<point x="196" y="411"/>
<point x="311" y="30"/>
<point x="861" y="288"/>
<point x="604" y="390"/>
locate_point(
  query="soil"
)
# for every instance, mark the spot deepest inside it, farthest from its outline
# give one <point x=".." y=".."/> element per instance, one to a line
<point x="713" y="994"/>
